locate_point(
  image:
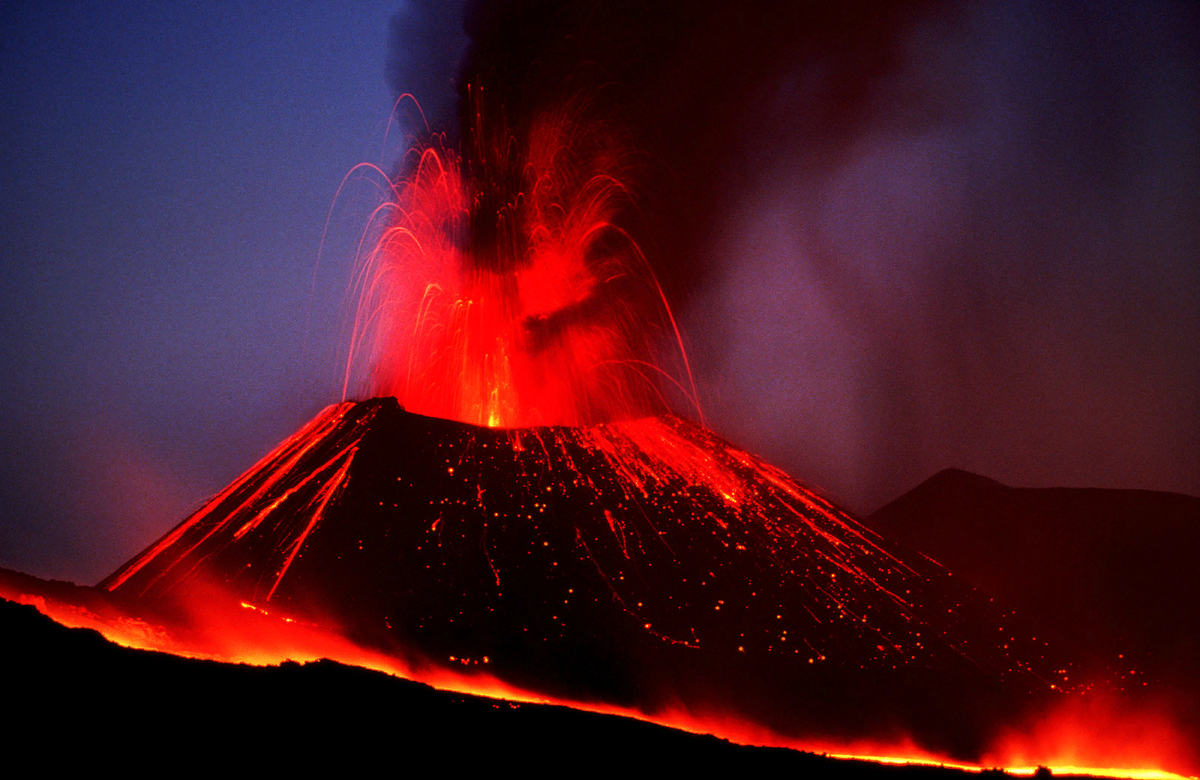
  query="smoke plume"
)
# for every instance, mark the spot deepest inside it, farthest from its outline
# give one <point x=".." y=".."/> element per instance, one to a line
<point x="906" y="236"/>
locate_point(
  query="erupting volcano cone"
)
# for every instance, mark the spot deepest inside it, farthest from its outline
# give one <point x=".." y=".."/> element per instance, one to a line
<point x="645" y="562"/>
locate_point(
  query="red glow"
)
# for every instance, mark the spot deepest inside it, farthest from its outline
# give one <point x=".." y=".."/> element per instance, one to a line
<point x="1076" y="740"/>
<point x="503" y="291"/>
<point x="276" y="463"/>
<point x="1098" y="731"/>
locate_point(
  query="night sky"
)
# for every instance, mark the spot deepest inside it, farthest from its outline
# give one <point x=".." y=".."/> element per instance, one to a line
<point x="965" y="234"/>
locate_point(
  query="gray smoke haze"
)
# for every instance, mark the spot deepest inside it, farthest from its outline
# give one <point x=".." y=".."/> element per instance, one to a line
<point x="1000" y="271"/>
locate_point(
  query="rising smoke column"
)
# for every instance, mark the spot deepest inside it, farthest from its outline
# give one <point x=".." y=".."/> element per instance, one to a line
<point x="951" y="229"/>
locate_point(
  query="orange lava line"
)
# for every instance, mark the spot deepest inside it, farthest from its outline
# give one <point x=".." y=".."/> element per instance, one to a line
<point x="329" y="490"/>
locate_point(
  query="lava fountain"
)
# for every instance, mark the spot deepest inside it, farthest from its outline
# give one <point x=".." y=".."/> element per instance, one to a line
<point x="503" y="290"/>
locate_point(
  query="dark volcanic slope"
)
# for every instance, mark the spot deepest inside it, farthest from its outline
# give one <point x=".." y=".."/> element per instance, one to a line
<point x="639" y="563"/>
<point x="1114" y="570"/>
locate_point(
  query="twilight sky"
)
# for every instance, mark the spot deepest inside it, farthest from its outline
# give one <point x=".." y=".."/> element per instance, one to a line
<point x="964" y="235"/>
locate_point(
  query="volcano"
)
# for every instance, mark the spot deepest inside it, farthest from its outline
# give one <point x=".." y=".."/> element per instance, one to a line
<point x="644" y="563"/>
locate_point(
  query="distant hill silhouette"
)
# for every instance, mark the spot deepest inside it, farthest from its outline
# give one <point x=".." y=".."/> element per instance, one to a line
<point x="1112" y="571"/>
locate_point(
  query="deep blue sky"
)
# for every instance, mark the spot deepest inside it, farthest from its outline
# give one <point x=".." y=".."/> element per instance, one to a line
<point x="168" y="169"/>
<point x="997" y="267"/>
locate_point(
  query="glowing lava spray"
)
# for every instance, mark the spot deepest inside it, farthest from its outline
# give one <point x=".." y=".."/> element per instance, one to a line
<point x="503" y="290"/>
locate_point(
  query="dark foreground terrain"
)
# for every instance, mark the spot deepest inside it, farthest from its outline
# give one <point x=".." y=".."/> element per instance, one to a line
<point x="74" y="700"/>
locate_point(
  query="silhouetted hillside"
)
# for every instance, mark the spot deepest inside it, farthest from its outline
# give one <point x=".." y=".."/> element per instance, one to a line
<point x="1112" y="571"/>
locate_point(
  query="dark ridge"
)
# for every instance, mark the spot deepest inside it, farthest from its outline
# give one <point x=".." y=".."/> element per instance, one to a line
<point x="1110" y="571"/>
<point x="75" y="701"/>
<point x="952" y="477"/>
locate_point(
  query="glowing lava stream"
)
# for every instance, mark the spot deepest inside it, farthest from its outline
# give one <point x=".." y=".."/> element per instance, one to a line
<point x="261" y="638"/>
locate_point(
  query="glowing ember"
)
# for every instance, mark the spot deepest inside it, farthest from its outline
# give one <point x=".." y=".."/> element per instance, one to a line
<point x="656" y="519"/>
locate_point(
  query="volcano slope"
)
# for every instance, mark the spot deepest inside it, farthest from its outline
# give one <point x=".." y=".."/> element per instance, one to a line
<point x="645" y="563"/>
